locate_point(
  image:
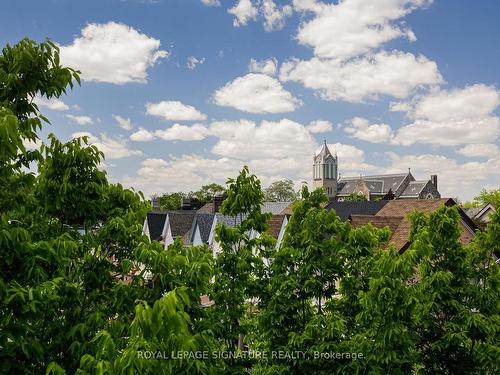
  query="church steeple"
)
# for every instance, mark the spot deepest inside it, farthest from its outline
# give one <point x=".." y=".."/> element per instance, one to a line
<point x="325" y="171"/>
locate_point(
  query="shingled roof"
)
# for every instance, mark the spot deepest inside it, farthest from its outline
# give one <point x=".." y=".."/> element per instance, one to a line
<point x="180" y="222"/>
<point x="204" y="222"/>
<point x="155" y="223"/>
<point x="394" y="214"/>
<point x="377" y="221"/>
<point x="275" y="225"/>
<point x="414" y="188"/>
<point x="346" y="209"/>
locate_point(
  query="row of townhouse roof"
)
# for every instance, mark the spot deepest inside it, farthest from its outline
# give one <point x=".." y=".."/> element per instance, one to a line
<point x="197" y="227"/>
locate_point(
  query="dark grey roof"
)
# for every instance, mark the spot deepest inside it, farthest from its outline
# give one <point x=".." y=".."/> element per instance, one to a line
<point x="346" y="209"/>
<point x="414" y="188"/>
<point x="156" y="222"/>
<point x="208" y="208"/>
<point x="204" y="222"/>
<point x="180" y="222"/>
<point x="379" y="184"/>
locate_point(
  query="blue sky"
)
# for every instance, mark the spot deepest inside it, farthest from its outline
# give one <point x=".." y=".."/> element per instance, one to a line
<point x="179" y="93"/>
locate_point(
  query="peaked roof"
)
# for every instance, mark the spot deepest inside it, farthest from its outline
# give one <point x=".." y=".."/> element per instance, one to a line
<point x="346" y="209"/>
<point x="402" y="208"/>
<point x="156" y="221"/>
<point x="324" y="150"/>
<point x="180" y="222"/>
<point x="414" y="188"/>
<point x="204" y="222"/>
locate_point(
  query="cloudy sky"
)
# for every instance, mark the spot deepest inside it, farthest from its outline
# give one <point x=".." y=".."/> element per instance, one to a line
<point x="179" y="93"/>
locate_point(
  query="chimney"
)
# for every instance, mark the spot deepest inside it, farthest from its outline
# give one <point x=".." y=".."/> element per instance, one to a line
<point x="217" y="202"/>
<point x="185" y="204"/>
<point x="434" y="180"/>
<point x="156" y="203"/>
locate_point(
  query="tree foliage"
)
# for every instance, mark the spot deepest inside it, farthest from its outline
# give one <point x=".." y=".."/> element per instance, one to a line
<point x="281" y="191"/>
<point x="74" y="260"/>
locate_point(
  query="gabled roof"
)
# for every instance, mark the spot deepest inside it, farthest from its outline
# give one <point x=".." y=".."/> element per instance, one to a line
<point x="346" y="209"/>
<point x="180" y="222"/>
<point x="402" y="208"/>
<point x="377" y="184"/>
<point x="414" y="188"/>
<point x="155" y="224"/>
<point x="482" y="211"/>
<point x="204" y="223"/>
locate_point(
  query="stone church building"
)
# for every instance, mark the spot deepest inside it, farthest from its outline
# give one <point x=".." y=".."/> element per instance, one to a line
<point x="388" y="186"/>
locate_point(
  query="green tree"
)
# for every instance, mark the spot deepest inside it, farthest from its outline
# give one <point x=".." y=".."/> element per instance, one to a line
<point x="172" y="201"/>
<point x="207" y="192"/>
<point x="488" y="197"/>
<point x="67" y="295"/>
<point x="240" y="260"/>
<point x="355" y="197"/>
<point x="281" y="191"/>
<point x="300" y="307"/>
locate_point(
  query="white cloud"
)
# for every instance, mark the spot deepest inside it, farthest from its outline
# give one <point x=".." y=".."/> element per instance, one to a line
<point x="142" y="135"/>
<point x="268" y="66"/>
<point x="179" y="132"/>
<point x="449" y="133"/>
<point x="176" y="132"/>
<point x="175" y="111"/>
<point x="112" y="52"/>
<point x="211" y="3"/>
<point x="192" y="62"/>
<point x="453" y="117"/>
<point x="319" y="126"/>
<point x="243" y="12"/>
<point x="454" y="178"/>
<point x="360" y="128"/>
<point x="480" y="150"/>
<point x="353" y="27"/>
<point x="475" y="101"/>
<point x="272" y="150"/>
<point x="52" y="103"/>
<point x="256" y="93"/>
<point x="274" y="16"/>
<point x="112" y="147"/>
<point x="246" y="140"/>
<point x="394" y="73"/>
<point x="123" y="123"/>
<point x="399" y="107"/>
<point x="81" y="120"/>
<point x="308" y="5"/>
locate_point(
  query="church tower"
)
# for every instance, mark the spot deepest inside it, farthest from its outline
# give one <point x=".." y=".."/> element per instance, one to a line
<point x="325" y="171"/>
